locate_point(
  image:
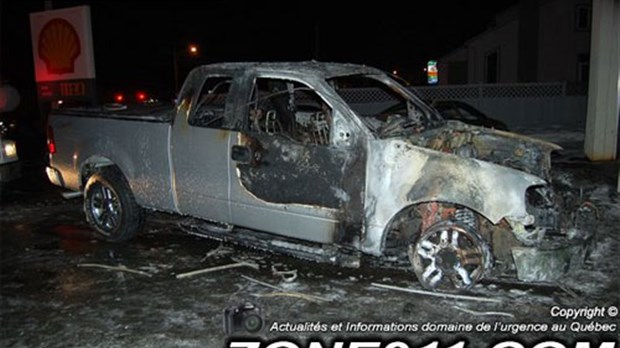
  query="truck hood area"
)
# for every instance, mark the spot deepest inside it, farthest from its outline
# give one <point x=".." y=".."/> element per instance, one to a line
<point x="526" y="154"/>
<point x="400" y="174"/>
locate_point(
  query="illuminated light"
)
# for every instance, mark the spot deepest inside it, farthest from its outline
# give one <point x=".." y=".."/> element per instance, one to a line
<point x="59" y="46"/>
<point x="60" y="102"/>
<point x="395" y="72"/>
<point x="51" y="143"/>
<point x="51" y="147"/>
<point x="140" y="96"/>
<point x="432" y="72"/>
<point x="9" y="148"/>
<point x="193" y="49"/>
<point x="119" y="98"/>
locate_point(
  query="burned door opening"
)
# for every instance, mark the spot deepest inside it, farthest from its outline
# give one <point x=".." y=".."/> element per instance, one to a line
<point x="288" y="140"/>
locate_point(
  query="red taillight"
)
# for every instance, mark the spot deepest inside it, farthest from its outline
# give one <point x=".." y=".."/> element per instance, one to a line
<point x="51" y="143"/>
<point x="140" y="96"/>
<point x="119" y="98"/>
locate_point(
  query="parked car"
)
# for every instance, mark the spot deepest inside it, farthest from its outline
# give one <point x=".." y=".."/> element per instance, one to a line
<point x="10" y="167"/>
<point x="284" y="157"/>
<point x="461" y="111"/>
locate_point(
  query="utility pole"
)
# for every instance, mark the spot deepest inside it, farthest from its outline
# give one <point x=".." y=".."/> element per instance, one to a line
<point x="176" y="70"/>
<point x="192" y="51"/>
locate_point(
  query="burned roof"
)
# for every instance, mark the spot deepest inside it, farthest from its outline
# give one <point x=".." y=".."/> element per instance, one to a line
<point x="314" y="68"/>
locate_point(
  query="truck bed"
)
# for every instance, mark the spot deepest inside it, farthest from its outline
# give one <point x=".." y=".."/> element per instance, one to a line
<point x="139" y="146"/>
<point x="160" y="113"/>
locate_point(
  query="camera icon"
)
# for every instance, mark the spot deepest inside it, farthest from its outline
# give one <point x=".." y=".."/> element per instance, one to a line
<point x="246" y="317"/>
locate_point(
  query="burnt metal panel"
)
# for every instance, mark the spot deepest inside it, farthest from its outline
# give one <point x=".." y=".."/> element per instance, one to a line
<point x="288" y="172"/>
<point x="512" y="150"/>
<point x="400" y="174"/>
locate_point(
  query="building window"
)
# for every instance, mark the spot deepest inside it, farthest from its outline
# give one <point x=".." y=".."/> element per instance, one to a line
<point x="583" y="17"/>
<point x="583" y="67"/>
<point x="491" y="69"/>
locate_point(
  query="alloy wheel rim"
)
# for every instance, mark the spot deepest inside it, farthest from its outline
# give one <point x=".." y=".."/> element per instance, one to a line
<point x="448" y="257"/>
<point x="105" y="208"/>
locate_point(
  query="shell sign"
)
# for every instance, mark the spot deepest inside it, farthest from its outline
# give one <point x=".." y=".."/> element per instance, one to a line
<point x="62" y="48"/>
<point x="59" y="46"/>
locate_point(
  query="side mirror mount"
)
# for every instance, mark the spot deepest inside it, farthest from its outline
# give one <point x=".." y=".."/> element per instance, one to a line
<point x="343" y="134"/>
<point x="241" y="154"/>
<point x="245" y="155"/>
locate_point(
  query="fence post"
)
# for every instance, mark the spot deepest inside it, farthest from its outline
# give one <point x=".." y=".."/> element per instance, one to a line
<point x="564" y="88"/>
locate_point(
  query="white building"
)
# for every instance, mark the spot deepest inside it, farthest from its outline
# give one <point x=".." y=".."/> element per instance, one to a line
<point x="533" y="41"/>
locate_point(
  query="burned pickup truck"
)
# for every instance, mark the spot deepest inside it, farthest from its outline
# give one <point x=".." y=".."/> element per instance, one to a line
<point x="291" y="157"/>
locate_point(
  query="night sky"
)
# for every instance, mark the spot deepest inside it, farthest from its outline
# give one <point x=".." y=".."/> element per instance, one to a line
<point x="133" y="41"/>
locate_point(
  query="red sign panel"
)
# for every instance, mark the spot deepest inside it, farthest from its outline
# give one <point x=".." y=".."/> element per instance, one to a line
<point x="59" y="46"/>
<point x="66" y="90"/>
<point x="62" y="47"/>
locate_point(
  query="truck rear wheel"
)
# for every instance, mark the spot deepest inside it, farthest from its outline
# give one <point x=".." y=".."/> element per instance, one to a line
<point x="110" y="206"/>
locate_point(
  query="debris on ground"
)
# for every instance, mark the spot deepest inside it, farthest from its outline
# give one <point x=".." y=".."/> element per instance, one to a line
<point x="219" y="251"/>
<point x="284" y="292"/>
<point x="436" y="294"/>
<point x="119" y="268"/>
<point x="217" y="268"/>
<point x="287" y="276"/>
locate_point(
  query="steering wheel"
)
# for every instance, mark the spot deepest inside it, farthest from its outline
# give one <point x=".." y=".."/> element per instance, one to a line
<point x="398" y="121"/>
<point x="398" y="109"/>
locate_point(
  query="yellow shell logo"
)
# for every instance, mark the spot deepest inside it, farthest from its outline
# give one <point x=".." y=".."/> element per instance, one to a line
<point x="59" y="46"/>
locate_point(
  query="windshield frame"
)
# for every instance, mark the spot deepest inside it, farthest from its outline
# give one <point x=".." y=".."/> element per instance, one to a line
<point x="432" y="118"/>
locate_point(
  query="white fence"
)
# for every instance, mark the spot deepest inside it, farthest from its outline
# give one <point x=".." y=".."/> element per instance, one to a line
<point x="522" y="105"/>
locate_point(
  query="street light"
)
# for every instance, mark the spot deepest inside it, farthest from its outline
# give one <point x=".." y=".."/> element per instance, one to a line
<point x="192" y="50"/>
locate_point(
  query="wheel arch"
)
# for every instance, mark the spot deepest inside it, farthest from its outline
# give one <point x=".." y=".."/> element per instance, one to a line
<point x="92" y="165"/>
<point x="388" y="229"/>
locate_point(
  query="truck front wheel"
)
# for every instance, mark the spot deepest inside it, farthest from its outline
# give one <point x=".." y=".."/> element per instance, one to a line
<point x="449" y="256"/>
<point x="110" y="206"/>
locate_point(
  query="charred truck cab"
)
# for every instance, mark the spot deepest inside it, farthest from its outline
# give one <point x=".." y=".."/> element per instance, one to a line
<point x="288" y="157"/>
